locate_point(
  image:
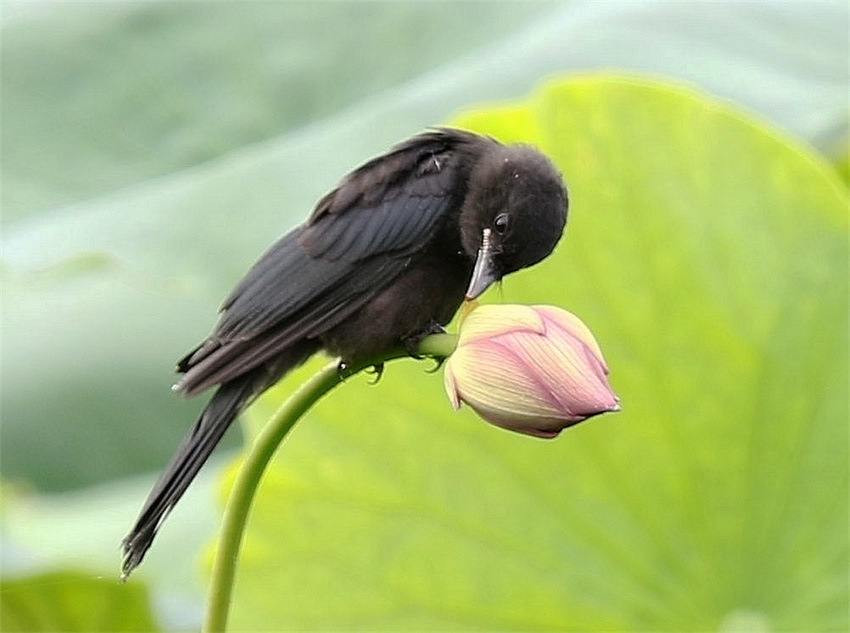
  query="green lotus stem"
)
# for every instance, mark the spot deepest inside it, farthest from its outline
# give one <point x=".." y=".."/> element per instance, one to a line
<point x="437" y="346"/>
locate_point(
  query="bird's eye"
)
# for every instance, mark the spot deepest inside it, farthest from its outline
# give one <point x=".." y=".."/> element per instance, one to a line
<point x="501" y="223"/>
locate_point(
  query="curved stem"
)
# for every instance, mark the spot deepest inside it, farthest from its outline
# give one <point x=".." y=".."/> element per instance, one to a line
<point x="245" y="487"/>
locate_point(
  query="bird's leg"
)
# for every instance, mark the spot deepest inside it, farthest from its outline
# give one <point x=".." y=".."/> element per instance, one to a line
<point x="411" y="342"/>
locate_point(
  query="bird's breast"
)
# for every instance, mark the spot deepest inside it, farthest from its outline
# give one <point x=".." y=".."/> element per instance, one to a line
<point x="430" y="290"/>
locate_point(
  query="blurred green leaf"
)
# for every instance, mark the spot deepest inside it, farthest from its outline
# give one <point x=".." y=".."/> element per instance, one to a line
<point x="168" y="194"/>
<point x="201" y="82"/>
<point x="151" y="151"/>
<point x="708" y="253"/>
<point x="82" y="529"/>
<point x="842" y="163"/>
<point x="73" y="601"/>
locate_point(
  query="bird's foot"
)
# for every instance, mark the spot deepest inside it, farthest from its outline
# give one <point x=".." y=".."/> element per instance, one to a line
<point x="343" y="369"/>
<point x="411" y="343"/>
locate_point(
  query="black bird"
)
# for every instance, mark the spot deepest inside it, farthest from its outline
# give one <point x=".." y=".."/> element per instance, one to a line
<point x="384" y="259"/>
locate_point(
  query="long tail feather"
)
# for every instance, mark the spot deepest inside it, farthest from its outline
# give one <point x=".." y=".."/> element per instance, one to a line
<point x="193" y="451"/>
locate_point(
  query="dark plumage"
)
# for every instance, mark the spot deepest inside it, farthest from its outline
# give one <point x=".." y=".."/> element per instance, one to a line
<point x="384" y="259"/>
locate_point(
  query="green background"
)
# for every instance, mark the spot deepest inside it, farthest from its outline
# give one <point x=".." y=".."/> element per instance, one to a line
<point x="150" y="152"/>
<point x="717" y="499"/>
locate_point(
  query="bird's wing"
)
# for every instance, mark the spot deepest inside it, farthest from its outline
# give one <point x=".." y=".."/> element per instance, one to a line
<point x="358" y="239"/>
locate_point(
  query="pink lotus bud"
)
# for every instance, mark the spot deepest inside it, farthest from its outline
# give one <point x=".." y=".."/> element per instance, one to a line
<point x="531" y="369"/>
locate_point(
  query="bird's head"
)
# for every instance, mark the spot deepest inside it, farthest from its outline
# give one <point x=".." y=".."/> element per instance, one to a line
<point x="513" y="215"/>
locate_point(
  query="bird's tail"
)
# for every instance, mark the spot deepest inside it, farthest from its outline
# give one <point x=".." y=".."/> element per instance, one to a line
<point x="193" y="451"/>
<point x="231" y="398"/>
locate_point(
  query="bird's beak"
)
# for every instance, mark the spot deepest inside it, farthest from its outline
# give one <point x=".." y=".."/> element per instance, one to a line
<point x="484" y="273"/>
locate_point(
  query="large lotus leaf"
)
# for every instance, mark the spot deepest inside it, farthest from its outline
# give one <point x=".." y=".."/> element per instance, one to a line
<point x="151" y="151"/>
<point x="73" y="601"/>
<point x="708" y="253"/>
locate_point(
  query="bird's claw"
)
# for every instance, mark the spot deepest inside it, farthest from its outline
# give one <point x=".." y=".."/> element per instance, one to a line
<point x="438" y="362"/>
<point x="343" y="370"/>
<point x="378" y="370"/>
